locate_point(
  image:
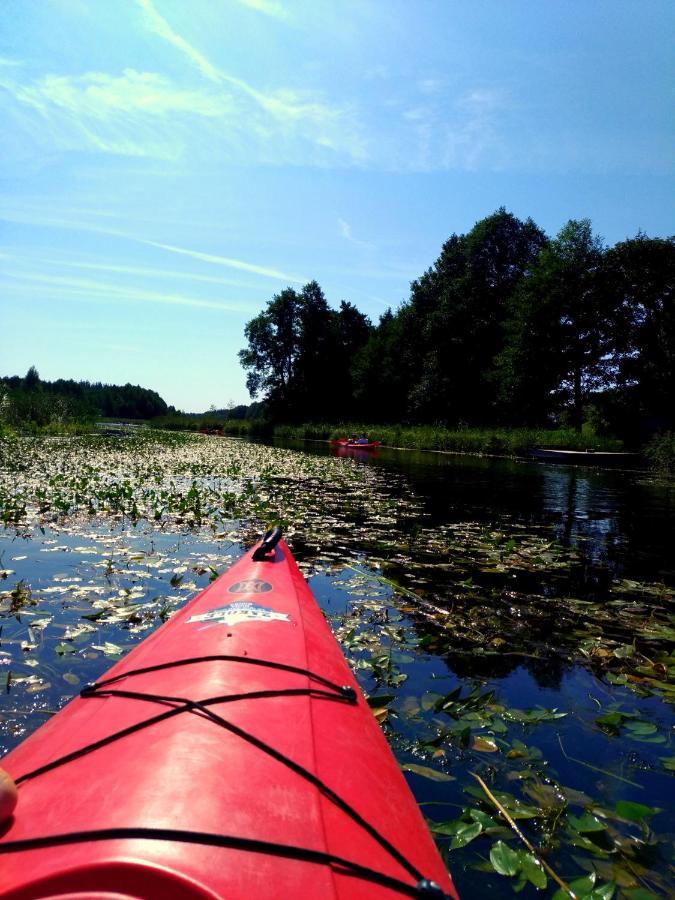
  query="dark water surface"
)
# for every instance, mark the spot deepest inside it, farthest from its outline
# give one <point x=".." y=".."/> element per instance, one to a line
<point x="622" y="518"/>
<point x="577" y="751"/>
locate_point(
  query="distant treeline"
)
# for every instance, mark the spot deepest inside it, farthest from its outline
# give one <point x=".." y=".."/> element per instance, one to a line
<point x="233" y="420"/>
<point x="30" y="401"/>
<point x="507" y="328"/>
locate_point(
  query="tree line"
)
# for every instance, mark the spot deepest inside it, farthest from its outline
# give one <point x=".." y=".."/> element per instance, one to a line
<point x="508" y="327"/>
<point x="30" y="400"/>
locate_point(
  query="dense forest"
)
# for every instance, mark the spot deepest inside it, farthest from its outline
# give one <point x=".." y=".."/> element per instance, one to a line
<point x="508" y="327"/>
<point x="30" y="400"/>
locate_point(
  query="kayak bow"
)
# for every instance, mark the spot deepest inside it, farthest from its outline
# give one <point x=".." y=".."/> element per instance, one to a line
<point x="230" y="754"/>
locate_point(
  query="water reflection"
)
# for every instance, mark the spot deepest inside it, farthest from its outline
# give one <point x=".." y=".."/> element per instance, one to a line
<point x="619" y="519"/>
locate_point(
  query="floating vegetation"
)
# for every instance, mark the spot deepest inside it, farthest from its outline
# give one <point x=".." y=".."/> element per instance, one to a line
<point x="181" y="481"/>
<point x="518" y="680"/>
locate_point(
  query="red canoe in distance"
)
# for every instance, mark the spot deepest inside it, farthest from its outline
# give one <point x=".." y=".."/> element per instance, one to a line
<point x="231" y="755"/>
<point x="343" y="442"/>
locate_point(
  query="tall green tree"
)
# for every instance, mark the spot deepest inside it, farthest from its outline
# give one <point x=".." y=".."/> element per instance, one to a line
<point x="561" y="333"/>
<point x="351" y="332"/>
<point x="32" y="382"/>
<point x="454" y="322"/>
<point x="273" y="345"/>
<point x="640" y="275"/>
<point x="380" y="386"/>
<point x="312" y="393"/>
<point x="300" y="352"/>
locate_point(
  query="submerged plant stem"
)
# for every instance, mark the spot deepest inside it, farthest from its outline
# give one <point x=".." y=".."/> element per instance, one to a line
<point x="581" y="762"/>
<point x="542" y="862"/>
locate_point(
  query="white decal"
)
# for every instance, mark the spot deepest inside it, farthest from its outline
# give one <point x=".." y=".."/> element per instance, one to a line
<point x="240" y="611"/>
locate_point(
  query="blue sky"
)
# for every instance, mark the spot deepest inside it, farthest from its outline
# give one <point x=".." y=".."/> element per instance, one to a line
<point x="170" y="166"/>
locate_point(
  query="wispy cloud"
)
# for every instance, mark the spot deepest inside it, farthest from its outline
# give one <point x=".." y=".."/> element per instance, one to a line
<point x="450" y="130"/>
<point x="268" y="7"/>
<point x="481" y="101"/>
<point x="475" y="139"/>
<point x="145" y="272"/>
<point x="220" y="117"/>
<point x="430" y="85"/>
<point x="346" y="232"/>
<point x="115" y="293"/>
<point x="225" y="261"/>
<point x="328" y="126"/>
<point x="132" y="114"/>
<point x="162" y="29"/>
<point x="145" y="114"/>
<point x="345" y="229"/>
<point x="97" y="94"/>
<point x="212" y="258"/>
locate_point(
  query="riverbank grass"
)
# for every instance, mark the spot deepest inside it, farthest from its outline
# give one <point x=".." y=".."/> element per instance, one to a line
<point x="495" y="441"/>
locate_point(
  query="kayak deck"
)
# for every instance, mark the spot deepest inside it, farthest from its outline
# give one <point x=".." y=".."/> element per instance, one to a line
<point x="230" y="754"/>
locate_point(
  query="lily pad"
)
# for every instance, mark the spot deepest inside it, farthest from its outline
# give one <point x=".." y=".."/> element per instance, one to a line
<point x="504" y="860"/>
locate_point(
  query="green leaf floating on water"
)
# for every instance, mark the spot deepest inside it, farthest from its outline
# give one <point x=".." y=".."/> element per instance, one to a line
<point x="668" y="762"/>
<point x="641" y="728"/>
<point x="533" y="716"/>
<point x="447" y="828"/>
<point x="612" y="721"/>
<point x="585" y="889"/>
<point x="532" y="870"/>
<point x="514" y="807"/>
<point x="635" y="812"/>
<point x="485" y="820"/>
<point x="64" y="649"/>
<point x="585" y="823"/>
<point x="504" y="859"/>
<point x="465" y="834"/>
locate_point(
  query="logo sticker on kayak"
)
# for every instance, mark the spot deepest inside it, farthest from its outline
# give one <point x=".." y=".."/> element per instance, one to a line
<point x="240" y="611"/>
<point x="250" y="586"/>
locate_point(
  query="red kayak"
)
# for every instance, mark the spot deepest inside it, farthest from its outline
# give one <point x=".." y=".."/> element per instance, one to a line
<point x="229" y="755"/>
<point x="368" y="445"/>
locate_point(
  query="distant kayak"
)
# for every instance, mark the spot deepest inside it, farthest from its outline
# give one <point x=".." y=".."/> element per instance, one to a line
<point x="357" y="445"/>
<point x="585" y="457"/>
<point x="231" y="754"/>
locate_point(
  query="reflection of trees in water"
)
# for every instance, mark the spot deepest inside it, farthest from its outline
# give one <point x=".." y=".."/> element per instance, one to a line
<point x="587" y="515"/>
<point x="547" y="671"/>
<point x="611" y="517"/>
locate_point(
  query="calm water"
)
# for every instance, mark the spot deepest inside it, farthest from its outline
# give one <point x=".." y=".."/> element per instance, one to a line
<point x="620" y="525"/>
<point x="624" y="519"/>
